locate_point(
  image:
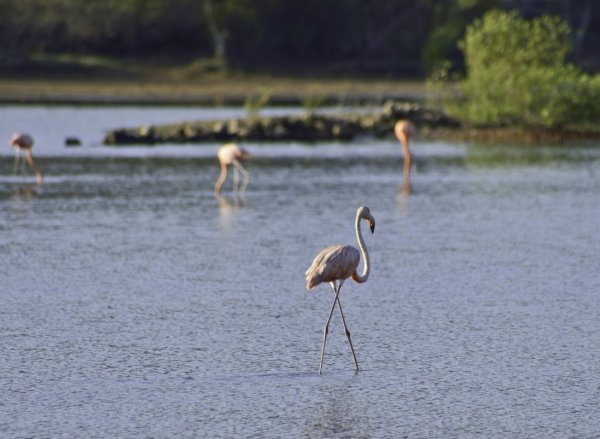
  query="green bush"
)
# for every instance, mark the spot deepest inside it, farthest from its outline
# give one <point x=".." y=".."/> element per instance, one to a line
<point x="516" y="74"/>
<point x="254" y="104"/>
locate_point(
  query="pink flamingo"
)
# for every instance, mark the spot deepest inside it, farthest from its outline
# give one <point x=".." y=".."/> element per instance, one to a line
<point x="232" y="154"/>
<point x="404" y="131"/>
<point x="338" y="263"/>
<point x="24" y="142"/>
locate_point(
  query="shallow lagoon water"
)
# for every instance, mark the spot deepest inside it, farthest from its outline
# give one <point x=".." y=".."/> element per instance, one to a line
<point x="135" y="304"/>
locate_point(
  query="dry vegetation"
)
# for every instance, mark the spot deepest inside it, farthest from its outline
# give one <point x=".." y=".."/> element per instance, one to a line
<point x="188" y="84"/>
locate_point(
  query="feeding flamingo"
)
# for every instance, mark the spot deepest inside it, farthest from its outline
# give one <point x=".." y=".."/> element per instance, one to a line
<point x="232" y="154"/>
<point x="338" y="263"/>
<point x="404" y="131"/>
<point x="24" y="142"/>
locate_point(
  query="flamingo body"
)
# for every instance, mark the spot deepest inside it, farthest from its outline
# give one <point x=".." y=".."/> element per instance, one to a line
<point x="335" y="262"/>
<point x="231" y="152"/>
<point x="21" y="141"/>
<point x="405" y="128"/>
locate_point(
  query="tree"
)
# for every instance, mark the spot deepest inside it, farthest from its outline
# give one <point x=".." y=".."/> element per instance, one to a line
<point x="450" y="18"/>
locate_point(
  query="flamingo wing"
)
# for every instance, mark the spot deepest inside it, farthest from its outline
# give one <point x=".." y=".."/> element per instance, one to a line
<point x="332" y="263"/>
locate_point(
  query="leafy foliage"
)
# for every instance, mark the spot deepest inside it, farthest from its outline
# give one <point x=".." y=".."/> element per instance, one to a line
<point x="344" y="37"/>
<point x="102" y="26"/>
<point x="257" y="34"/>
<point x="516" y="74"/>
<point x="450" y="19"/>
<point x="254" y="104"/>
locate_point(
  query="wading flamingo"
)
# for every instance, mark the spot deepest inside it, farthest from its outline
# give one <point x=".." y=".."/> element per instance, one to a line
<point x="232" y="154"/>
<point x="404" y="131"/>
<point x="338" y="263"/>
<point x="24" y="142"/>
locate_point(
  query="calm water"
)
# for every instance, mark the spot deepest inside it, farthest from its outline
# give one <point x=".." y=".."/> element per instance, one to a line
<point x="135" y="304"/>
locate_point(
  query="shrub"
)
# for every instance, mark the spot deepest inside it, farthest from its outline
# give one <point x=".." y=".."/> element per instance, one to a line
<point x="254" y="104"/>
<point x="516" y="74"/>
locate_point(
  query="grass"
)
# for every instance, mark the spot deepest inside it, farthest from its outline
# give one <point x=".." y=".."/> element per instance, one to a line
<point x="94" y="80"/>
<point x="67" y="78"/>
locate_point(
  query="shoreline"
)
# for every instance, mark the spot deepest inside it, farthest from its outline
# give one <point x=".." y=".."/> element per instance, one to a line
<point x="282" y="92"/>
<point x="208" y="91"/>
<point x="197" y="100"/>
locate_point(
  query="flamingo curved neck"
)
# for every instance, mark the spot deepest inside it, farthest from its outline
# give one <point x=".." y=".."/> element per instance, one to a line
<point x="405" y="148"/>
<point x="360" y="278"/>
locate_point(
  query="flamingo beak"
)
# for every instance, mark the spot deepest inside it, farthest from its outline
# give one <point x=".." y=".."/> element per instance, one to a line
<point x="372" y="226"/>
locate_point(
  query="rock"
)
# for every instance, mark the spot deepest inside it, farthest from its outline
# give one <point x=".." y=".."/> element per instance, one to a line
<point x="342" y="131"/>
<point x="72" y="141"/>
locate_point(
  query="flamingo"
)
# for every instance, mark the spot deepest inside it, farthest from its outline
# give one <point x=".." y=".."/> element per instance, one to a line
<point x="404" y="131"/>
<point x="338" y="263"/>
<point x="24" y="142"/>
<point x="232" y="154"/>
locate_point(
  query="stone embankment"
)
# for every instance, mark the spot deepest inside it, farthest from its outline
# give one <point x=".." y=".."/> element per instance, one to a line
<point x="308" y="127"/>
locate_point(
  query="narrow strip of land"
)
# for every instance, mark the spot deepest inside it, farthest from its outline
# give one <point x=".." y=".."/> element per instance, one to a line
<point x="234" y="91"/>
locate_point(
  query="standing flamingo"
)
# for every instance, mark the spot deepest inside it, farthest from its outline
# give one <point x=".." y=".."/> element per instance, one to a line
<point x="338" y="263"/>
<point x="232" y="154"/>
<point x="404" y="131"/>
<point x="24" y="142"/>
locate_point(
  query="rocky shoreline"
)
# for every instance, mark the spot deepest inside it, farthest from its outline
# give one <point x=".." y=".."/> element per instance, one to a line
<point x="307" y="127"/>
<point x="323" y="127"/>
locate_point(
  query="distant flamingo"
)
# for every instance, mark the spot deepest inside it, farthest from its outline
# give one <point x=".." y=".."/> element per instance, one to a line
<point x="404" y="131"/>
<point x="338" y="263"/>
<point x="24" y="142"/>
<point x="232" y="154"/>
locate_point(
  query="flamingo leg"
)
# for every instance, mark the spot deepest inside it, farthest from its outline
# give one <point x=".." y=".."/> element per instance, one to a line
<point x="221" y="179"/>
<point x="24" y="161"/>
<point x="16" y="163"/>
<point x="236" y="177"/>
<point x="405" y="188"/>
<point x="347" y="332"/>
<point x="246" y="176"/>
<point x="32" y="165"/>
<point x="336" y="290"/>
<point x="406" y="150"/>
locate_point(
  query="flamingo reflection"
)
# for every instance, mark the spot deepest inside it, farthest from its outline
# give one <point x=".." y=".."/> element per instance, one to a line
<point x="228" y="208"/>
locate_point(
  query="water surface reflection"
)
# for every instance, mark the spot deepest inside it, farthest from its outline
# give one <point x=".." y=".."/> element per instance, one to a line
<point x="157" y="310"/>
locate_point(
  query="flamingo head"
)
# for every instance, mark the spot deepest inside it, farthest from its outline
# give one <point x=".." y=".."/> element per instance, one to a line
<point x="365" y="213"/>
<point x="245" y="154"/>
<point x="13" y="140"/>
